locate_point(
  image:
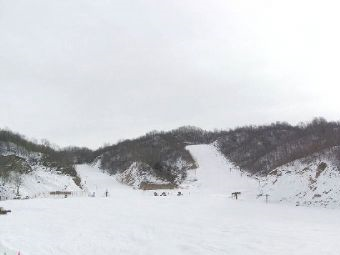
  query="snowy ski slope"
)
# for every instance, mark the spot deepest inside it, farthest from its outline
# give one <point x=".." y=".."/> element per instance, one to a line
<point x="135" y="222"/>
<point x="94" y="180"/>
<point x="217" y="175"/>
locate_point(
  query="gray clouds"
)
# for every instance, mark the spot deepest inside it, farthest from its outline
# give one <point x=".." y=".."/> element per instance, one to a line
<point x="86" y="72"/>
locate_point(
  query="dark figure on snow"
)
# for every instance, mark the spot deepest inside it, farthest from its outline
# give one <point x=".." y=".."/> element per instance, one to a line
<point x="235" y="195"/>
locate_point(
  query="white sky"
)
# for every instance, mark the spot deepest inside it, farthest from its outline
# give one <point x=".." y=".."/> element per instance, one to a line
<point x="85" y="72"/>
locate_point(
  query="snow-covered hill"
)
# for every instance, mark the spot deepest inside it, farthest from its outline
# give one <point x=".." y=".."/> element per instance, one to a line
<point x="311" y="181"/>
<point x="28" y="169"/>
<point x="38" y="183"/>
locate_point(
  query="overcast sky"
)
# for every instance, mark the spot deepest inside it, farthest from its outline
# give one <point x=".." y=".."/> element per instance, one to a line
<point x="85" y="72"/>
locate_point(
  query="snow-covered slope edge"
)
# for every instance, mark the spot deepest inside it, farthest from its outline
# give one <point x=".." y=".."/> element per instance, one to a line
<point x="141" y="176"/>
<point x="38" y="183"/>
<point x="29" y="169"/>
<point x="312" y="181"/>
<point x="24" y="175"/>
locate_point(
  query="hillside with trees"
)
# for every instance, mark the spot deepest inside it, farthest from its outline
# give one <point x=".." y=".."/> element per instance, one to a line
<point x="261" y="149"/>
<point x="255" y="149"/>
<point x="19" y="156"/>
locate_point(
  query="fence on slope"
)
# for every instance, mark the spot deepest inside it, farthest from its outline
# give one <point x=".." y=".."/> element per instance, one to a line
<point x="61" y="194"/>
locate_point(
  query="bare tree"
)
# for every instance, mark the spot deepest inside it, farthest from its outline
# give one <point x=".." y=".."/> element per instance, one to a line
<point x="17" y="180"/>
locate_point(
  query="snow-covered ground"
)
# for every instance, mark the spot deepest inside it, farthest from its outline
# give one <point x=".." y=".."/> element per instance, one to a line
<point x="39" y="183"/>
<point x="135" y="222"/>
<point x="217" y="175"/>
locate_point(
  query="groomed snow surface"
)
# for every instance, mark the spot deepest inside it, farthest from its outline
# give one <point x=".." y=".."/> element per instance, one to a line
<point x="203" y="221"/>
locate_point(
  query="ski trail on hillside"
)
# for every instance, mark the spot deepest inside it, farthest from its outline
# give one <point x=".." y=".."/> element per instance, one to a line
<point x="95" y="180"/>
<point x="215" y="174"/>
